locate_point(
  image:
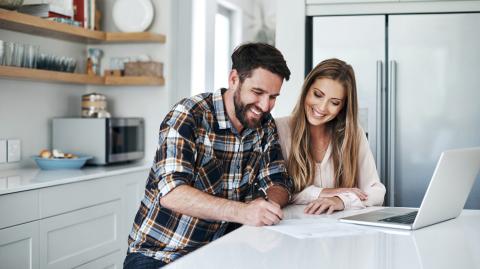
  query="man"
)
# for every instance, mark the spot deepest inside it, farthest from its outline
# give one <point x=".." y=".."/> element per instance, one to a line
<point x="215" y="152"/>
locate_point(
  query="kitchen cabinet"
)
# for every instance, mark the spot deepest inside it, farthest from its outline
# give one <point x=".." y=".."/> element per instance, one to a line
<point x="371" y="7"/>
<point x="72" y="239"/>
<point x="315" y="2"/>
<point x="110" y="261"/>
<point x="76" y="224"/>
<point x="24" y="23"/>
<point x="70" y="197"/>
<point x="319" y="2"/>
<point x="18" y="208"/>
<point x="133" y="191"/>
<point x="19" y="247"/>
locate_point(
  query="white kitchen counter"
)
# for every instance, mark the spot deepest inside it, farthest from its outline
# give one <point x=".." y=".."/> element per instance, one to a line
<point x="451" y="244"/>
<point x="28" y="179"/>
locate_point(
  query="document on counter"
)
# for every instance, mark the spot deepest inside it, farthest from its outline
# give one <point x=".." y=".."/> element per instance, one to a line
<point x="316" y="228"/>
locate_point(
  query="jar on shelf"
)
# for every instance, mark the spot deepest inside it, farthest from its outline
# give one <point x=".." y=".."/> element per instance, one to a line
<point x="94" y="105"/>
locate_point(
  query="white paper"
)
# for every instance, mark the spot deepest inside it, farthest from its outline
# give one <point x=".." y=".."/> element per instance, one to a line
<point x="316" y="228"/>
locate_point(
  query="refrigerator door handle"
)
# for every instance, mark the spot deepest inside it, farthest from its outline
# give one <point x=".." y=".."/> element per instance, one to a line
<point x="392" y="82"/>
<point x="379" y="113"/>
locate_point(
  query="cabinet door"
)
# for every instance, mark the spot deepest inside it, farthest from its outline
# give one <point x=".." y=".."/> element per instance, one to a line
<point x="19" y="246"/>
<point x="79" y="237"/>
<point x="134" y="189"/>
<point x="17" y="208"/>
<point x="70" y="197"/>
<point x="360" y="41"/>
<point x="111" y="261"/>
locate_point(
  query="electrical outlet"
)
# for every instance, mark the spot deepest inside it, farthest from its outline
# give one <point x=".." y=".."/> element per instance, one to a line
<point x="13" y="150"/>
<point x="3" y="151"/>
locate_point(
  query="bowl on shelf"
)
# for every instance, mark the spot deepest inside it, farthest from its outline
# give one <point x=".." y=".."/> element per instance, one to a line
<point x="61" y="163"/>
<point x="11" y="4"/>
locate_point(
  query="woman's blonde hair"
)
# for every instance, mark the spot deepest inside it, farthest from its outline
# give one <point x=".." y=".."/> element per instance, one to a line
<point x="343" y="129"/>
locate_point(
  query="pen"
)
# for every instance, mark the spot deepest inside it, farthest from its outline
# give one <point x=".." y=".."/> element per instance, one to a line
<point x="264" y="193"/>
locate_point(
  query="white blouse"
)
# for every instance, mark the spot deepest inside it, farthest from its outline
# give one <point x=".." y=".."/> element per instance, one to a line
<point x="368" y="180"/>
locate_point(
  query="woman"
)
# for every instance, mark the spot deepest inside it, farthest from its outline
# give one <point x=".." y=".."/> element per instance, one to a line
<point x="327" y="152"/>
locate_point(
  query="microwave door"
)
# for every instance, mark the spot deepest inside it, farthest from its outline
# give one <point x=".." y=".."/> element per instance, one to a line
<point x="126" y="140"/>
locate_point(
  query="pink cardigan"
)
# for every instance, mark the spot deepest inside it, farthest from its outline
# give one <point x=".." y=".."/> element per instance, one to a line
<point x="368" y="179"/>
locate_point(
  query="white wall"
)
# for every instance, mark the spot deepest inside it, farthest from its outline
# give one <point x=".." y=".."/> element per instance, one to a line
<point x="290" y="40"/>
<point x="26" y="107"/>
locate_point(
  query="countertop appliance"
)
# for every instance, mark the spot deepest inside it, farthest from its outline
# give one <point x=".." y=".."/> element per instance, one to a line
<point x="108" y="140"/>
<point x="424" y="101"/>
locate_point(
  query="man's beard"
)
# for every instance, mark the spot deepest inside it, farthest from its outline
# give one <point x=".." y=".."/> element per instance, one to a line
<point x="242" y="109"/>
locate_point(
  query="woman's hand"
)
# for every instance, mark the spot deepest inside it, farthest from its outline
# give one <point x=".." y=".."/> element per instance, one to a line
<point x="331" y="192"/>
<point x="327" y="204"/>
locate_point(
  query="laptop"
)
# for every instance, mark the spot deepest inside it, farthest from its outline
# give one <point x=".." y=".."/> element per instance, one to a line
<point x="446" y="195"/>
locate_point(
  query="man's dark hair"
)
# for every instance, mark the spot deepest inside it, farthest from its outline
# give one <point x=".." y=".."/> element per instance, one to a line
<point x="250" y="56"/>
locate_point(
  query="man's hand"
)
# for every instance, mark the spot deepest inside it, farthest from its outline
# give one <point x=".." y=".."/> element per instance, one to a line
<point x="327" y="204"/>
<point x="331" y="192"/>
<point x="260" y="212"/>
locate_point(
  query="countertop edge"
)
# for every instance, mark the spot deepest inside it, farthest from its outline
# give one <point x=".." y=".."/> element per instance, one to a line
<point x="28" y="179"/>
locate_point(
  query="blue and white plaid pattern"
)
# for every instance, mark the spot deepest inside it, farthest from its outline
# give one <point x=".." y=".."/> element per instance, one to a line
<point x="199" y="147"/>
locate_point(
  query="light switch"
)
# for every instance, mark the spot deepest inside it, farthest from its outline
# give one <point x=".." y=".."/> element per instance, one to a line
<point x="3" y="151"/>
<point x="13" y="150"/>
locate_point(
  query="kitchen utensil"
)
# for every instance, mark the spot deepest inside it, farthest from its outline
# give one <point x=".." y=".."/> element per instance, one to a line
<point x="18" y="52"/>
<point x="8" y="50"/>
<point x="30" y="56"/>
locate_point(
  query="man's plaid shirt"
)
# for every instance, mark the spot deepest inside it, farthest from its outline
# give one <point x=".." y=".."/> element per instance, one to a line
<point x="198" y="146"/>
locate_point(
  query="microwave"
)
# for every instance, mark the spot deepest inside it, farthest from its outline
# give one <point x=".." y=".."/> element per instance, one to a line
<point x="107" y="140"/>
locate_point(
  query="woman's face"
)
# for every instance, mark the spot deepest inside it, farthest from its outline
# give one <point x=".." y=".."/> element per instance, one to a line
<point x="324" y="100"/>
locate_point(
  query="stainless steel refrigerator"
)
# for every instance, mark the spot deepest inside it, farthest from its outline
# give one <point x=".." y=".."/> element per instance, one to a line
<point x="418" y="78"/>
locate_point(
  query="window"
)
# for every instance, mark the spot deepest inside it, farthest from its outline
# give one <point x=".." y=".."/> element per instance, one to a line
<point x="223" y="45"/>
<point x="216" y="30"/>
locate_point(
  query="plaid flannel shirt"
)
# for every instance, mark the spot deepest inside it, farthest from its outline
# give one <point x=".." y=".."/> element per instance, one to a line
<point x="198" y="146"/>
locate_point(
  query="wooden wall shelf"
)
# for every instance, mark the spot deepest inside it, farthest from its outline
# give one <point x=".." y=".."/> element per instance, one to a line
<point x="74" y="78"/>
<point x="12" y="20"/>
<point x="46" y="75"/>
<point x="129" y="80"/>
<point x="111" y="37"/>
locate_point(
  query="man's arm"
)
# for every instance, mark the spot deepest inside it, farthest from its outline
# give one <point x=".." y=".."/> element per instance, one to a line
<point x="187" y="200"/>
<point x="278" y="194"/>
<point x="273" y="173"/>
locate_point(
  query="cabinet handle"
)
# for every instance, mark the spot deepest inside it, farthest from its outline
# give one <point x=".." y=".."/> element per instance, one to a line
<point x="392" y="90"/>
<point x="379" y="118"/>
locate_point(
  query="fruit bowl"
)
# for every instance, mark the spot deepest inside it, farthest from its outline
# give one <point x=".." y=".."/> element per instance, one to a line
<point x="61" y="163"/>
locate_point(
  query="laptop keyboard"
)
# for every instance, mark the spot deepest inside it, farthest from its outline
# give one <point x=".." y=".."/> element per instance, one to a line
<point x="405" y="219"/>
